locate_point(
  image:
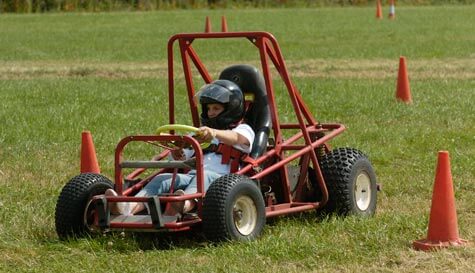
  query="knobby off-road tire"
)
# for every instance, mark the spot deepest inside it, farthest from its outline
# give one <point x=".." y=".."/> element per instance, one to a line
<point x="233" y="209"/>
<point x="72" y="201"/>
<point x="351" y="182"/>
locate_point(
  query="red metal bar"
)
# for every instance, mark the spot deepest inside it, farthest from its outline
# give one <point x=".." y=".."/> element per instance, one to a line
<point x="184" y="45"/>
<point x="194" y="144"/>
<point x="261" y="43"/>
<point x="139" y="171"/>
<point x="288" y="208"/>
<point x="175" y="226"/>
<point x="300" y="109"/>
<point x="170" y="198"/>
<point x="337" y="129"/>
<point x="132" y="225"/>
<point x="182" y="225"/>
<point x="280" y="66"/>
<point x="206" y="77"/>
<point x="115" y="199"/>
<point x="274" y="58"/>
<point x="171" y="84"/>
<point x="237" y="34"/>
<point x="176" y="198"/>
<point x="135" y="188"/>
<point x="270" y="92"/>
<point x="304" y="108"/>
<point x="198" y="64"/>
<point x="279" y="60"/>
<point x="304" y="161"/>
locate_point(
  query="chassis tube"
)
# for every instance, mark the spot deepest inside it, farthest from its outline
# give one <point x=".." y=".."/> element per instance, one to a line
<point x="338" y="129"/>
<point x="286" y="209"/>
<point x="121" y="145"/>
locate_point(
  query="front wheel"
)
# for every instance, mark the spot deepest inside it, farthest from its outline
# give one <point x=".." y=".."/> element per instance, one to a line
<point x="351" y="182"/>
<point x="233" y="209"/>
<point x="71" y="217"/>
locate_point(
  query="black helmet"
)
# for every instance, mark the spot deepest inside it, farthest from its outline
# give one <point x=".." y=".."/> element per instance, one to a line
<point x="224" y="92"/>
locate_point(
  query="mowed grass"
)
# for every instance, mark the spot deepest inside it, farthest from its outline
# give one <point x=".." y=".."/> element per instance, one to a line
<point x="65" y="73"/>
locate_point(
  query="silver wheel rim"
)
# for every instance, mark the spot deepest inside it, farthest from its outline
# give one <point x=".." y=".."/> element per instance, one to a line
<point x="245" y="215"/>
<point x="363" y="191"/>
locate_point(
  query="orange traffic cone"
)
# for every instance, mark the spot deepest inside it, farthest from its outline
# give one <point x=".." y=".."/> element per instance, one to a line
<point x="403" y="91"/>
<point x="207" y="25"/>
<point x="392" y="10"/>
<point x="443" y="229"/>
<point x="379" y="11"/>
<point x="88" y="154"/>
<point x="224" y="24"/>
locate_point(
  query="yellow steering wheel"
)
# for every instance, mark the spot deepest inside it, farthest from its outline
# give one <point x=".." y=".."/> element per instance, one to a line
<point x="181" y="128"/>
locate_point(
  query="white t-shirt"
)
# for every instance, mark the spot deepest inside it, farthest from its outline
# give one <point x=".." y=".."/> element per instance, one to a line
<point x="212" y="161"/>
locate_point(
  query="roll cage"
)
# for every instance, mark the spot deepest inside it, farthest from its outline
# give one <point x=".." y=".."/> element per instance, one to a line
<point x="275" y="159"/>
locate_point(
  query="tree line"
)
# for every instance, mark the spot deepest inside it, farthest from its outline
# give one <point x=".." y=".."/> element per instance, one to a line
<point x="41" y="6"/>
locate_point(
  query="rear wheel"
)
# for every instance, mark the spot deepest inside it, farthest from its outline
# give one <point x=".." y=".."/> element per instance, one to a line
<point x="233" y="209"/>
<point x="71" y="217"/>
<point x="351" y="182"/>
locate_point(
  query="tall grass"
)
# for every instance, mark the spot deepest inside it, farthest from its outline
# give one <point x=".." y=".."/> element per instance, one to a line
<point x="64" y="73"/>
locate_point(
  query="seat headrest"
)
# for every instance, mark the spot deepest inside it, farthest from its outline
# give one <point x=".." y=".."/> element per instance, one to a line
<point x="258" y="116"/>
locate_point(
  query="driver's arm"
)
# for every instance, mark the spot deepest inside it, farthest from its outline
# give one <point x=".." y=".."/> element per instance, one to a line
<point x="227" y="137"/>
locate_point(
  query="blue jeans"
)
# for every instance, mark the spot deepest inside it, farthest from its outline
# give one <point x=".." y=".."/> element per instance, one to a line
<point x="187" y="182"/>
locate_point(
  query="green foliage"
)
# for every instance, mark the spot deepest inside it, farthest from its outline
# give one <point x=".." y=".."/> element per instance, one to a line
<point x="61" y="74"/>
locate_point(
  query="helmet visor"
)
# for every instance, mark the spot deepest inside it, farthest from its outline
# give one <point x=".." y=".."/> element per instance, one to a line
<point x="212" y="93"/>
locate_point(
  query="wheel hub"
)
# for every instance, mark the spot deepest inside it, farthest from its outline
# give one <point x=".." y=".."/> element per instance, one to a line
<point x="363" y="191"/>
<point x="245" y="215"/>
<point x="90" y="217"/>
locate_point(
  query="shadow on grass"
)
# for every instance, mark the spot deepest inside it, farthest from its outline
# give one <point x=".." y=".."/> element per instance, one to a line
<point x="125" y="242"/>
<point x="193" y="238"/>
<point x="307" y="217"/>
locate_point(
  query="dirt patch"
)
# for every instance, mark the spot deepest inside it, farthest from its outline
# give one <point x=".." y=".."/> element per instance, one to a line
<point x="44" y="69"/>
<point x="382" y="68"/>
<point x="314" y="68"/>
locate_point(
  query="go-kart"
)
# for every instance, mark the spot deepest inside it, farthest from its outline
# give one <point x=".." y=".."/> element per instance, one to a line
<point x="291" y="167"/>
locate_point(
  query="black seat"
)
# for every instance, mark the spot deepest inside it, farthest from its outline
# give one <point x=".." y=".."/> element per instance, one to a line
<point x="258" y="116"/>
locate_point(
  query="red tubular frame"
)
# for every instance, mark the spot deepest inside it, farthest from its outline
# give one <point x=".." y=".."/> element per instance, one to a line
<point x="269" y="53"/>
<point x="164" y="138"/>
<point x="269" y="50"/>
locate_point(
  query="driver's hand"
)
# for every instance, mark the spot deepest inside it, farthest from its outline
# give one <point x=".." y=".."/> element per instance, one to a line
<point x="178" y="154"/>
<point x="205" y="134"/>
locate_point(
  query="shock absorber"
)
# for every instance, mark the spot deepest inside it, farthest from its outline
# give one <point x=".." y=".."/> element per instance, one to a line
<point x="320" y="151"/>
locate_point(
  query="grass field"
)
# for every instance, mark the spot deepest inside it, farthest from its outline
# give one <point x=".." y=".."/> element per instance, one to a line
<point x="61" y="74"/>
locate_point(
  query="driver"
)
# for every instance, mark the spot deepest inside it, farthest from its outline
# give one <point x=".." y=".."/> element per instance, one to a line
<point x="222" y="103"/>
